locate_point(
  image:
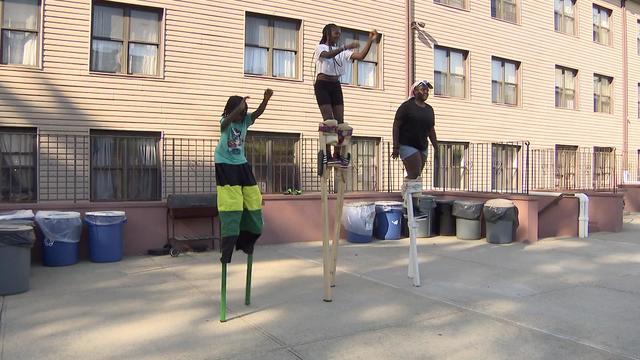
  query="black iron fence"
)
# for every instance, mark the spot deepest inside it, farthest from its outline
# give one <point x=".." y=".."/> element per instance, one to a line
<point x="101" y="167"/>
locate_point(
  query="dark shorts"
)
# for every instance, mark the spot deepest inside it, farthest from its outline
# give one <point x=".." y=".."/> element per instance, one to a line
<point x="328" y="92"/>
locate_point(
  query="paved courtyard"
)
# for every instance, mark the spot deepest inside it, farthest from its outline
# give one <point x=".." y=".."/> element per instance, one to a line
<point x="558" y="299"/>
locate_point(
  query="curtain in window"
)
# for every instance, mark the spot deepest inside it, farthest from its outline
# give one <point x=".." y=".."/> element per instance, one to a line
<point x="106" y="52"/>
<point x="257" y="44"/>
<point x="143" y="59"/>
<point x="20" y="14"/>
<point x="17" y="164"/>
<point x="19" y="47"/>
<point x="143" y="167"/>
<point x="285" y="45"/>
<point x="107" y="168"/>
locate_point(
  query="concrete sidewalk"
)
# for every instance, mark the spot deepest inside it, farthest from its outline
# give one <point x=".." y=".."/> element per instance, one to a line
<point x="557" y="299"/>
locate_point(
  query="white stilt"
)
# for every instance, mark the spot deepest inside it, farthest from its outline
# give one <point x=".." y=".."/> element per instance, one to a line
<point x="411" y="187"/>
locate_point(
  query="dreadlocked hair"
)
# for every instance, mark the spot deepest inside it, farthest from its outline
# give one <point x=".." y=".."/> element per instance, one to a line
<point x="233" y="102"/>
<point x="326" y="33"/>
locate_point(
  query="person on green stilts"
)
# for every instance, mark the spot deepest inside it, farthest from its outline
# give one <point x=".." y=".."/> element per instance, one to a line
<point x="239" y="197"/>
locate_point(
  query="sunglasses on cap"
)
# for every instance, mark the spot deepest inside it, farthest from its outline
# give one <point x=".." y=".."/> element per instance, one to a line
<point x="425" y="83"/>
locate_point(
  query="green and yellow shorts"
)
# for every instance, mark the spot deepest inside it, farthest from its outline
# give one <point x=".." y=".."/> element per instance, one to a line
<point x="240" y="208"/>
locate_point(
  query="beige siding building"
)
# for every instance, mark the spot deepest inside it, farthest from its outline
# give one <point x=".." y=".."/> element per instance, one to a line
<point x="115" y="101"/>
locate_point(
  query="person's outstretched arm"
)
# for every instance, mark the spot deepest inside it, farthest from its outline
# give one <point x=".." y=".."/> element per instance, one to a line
<point x="360" y="55"/>
<point x="263" y="105"/>
<point x="333" y="53"/>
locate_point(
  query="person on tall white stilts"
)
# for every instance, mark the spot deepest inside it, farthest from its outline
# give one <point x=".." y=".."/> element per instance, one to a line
<point x="413" y="124"/>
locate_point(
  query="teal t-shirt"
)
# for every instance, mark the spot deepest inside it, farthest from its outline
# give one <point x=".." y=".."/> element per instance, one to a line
<point x="230" y="149"/>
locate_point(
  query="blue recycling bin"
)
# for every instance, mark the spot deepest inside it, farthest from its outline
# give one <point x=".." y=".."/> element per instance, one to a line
<point x="61" y="232"/>
<point x="388" y="221"/>
<point x="105" y="235"/>
<point x="357" y="219"/>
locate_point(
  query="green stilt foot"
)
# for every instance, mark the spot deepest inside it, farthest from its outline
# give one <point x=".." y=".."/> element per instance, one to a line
<point x="223" y="294"/>
<point x="247" y="294"/>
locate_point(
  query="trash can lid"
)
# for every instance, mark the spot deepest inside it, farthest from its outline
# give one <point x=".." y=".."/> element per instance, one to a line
<point x="468" y="202"/>
<point x="499" y="203"/>
<point x="58" y="214"/>
<point x="388" y="203"/>
<point x="11" y="228"/>
<point x="359" y="204"/>
<point x="105" y="213"/>
<point x="445" y="201"/>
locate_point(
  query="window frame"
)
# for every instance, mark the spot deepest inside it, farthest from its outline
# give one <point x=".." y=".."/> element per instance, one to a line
<point x="126" y="21"/>
<point x="597" y="98"/>
<point x="514" y="181"/>
<point x="33" y="133"/>
<point x="271" y="48"/>
<point x="566" y="166"/>
<point x="465" y="56"/>
<point x="597" y="28"/>
<point x="38" y="33"/>
<point x="500" y="15"/>
<point x="269" y="179"/>
<point x="354" y="64"/>
<point x="503" y="63"/>
<point x="447" y="176"/>
<point x="564" y="90"/>
<point x="465" y="4"/>
<point x="558" y="27"/>
<point x="372" y="165"/>
<point x="125" y="168"/>
<point x="603" y="161"/>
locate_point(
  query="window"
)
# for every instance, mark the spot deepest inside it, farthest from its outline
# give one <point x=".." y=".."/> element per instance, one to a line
<point x="454" y="3"/>
<point x="18" y="164"/>
<point x="638" y="100"/>
<point x="565" y="88"/>
<point x="271" y="46"/>
<point x="504" y="10"/>
<point x="450" y="167"/>
<point x="603" y="161"/>
<point x="602" y="94"/>
<point x="449" y="72"/>
<point x="364" y="159"/>
<point x="504" y="169"/>
<point x="274" y="160"/>
<point x="20" y="26"/>
<point x="125" y="166"/>
<point x="504" y="81"/>
<point x="364" y="72"/>
<point x="125" y="39"/>
<point x="566" y="166"/>
<point x="564" y="16"/>
<point x="601" y="26"/>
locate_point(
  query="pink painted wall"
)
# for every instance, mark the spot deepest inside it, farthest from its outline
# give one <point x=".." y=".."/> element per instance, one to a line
<point x="606" y="211"/>
<point x="559" y="219"/>
<point x="631" y="197"/>
<point x="298" y="218"/>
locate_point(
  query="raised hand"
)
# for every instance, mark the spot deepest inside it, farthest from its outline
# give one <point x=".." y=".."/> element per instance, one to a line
<point x="373" y="35"/>
<point x="268" y="93"/>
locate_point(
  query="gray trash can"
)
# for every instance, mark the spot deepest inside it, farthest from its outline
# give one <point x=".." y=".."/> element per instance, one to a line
<point x="501" y="216"/>
<point x="16" y="241"/>
<point x="468" y="223"/>
<point x="424" y="214"/>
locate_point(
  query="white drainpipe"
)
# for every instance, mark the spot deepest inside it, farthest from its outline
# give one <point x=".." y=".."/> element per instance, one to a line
<point x="583" y="215"/>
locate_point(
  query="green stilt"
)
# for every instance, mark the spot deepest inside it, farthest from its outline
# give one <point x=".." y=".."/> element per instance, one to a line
<point x="223" y="294"/>
<point x="247" y="294"/>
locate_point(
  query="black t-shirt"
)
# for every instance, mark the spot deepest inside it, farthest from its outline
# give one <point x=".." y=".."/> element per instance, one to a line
<point x="415" y="124"/>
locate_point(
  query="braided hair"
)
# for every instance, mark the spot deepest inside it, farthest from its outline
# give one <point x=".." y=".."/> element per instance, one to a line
<point x="326" y="35"/>
<point x="233" y="102"/>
